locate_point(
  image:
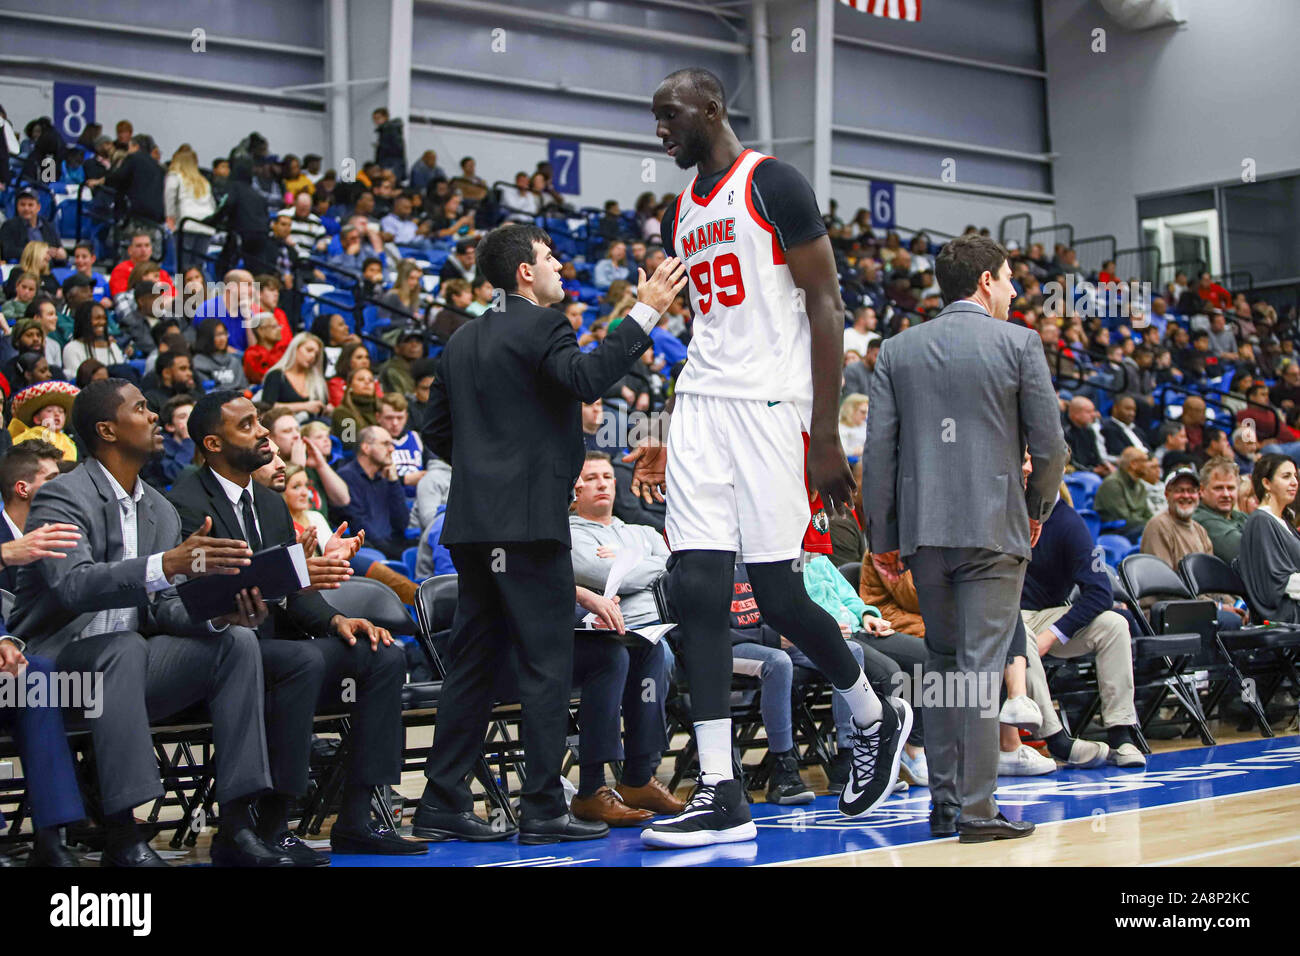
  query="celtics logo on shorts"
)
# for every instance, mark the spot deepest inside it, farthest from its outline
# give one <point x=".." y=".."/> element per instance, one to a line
<point x="821" y="524"/>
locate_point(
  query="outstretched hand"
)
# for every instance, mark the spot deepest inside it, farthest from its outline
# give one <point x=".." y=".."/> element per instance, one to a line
<point x="663" y="287"/>
<point x="650" y="462"/>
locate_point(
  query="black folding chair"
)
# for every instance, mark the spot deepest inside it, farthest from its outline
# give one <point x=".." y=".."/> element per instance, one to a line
<point x="852" y="572"/>
<point x="1257" y="660"/>
<point x="1167" y="655"/>
<point x="379" y="604"/>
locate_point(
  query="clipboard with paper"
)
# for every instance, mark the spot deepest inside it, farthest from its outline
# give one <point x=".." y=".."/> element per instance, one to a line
<point x="626" y="559"/>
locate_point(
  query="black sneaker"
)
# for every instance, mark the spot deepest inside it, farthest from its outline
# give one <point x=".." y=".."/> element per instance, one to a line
<point x="714" y="814"/>
<point x="876" y="752"/>
<point x="786" y="787"/>
<point x="841" y="767"/>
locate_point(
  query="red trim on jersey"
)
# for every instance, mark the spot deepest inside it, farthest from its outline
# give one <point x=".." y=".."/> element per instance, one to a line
<point x="778" y="254"/>
<point x="714" y="191"/>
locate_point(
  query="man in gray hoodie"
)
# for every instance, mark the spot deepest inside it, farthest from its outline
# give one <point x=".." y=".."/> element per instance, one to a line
<point x="612" y="675"/>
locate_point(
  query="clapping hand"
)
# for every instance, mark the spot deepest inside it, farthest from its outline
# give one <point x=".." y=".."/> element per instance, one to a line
<point x="341" y="546"/>
<point x="11" y="658"/>
<point x="47" y="541"/>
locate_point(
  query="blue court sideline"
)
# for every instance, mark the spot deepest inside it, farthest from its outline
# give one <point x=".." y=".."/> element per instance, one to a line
<point x="817" y="829"/>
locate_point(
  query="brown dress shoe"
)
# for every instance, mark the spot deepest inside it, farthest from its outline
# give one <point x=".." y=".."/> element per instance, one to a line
<point x="654" y="796"/>
<point x="604" y="806"/>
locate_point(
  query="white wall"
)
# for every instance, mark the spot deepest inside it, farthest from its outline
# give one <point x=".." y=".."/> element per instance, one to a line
<point x="919" y="207"/>
<point x="1168" y="108"/>
<point x="211" y="126"/>
<point x="605" y="172"/>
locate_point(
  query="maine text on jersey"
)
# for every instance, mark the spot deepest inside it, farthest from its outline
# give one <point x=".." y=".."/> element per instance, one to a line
<point x="702" y="237"/>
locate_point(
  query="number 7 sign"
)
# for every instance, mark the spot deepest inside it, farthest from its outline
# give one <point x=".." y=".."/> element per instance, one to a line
<point x="564" y="156"/>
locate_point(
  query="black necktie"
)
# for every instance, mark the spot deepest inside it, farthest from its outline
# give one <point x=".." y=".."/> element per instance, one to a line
<point x="250" y="522"/>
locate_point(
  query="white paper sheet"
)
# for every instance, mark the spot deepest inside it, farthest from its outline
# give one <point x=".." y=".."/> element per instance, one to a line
<point x="626" y="559"/>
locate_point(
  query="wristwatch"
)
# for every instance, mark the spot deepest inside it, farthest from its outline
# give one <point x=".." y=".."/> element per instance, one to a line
<point x="18" y="643"/>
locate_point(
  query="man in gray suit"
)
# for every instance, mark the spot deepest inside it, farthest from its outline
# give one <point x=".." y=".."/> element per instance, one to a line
<point x="109" y="608"/>
<point x="954" y="402"/>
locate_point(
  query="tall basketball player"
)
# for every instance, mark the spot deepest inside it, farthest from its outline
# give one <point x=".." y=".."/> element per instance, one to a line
<point x="754" y="408"/>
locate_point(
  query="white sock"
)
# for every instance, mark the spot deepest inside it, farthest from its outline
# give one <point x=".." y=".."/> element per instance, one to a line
<point x="862" y="701"/>
<point x="713" y="737"/>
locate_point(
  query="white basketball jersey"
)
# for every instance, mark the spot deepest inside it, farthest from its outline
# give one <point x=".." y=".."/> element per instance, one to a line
<point x="750" y="337"/>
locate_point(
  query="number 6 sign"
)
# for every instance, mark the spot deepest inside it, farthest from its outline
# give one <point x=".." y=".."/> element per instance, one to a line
<point x="882" y="204"/>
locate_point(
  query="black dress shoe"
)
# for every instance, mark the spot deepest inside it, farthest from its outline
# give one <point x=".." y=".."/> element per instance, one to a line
<point x="245" y="848"/>
<point x="375" y="838"/>
<point x="943" y="820"/>
<point x="561" y="829"/>
<point x="137" y="854"/>
<point x="301" y="853"/>
<point x="52" y="853"/>
<point x="997" y="828"/>
<point x="430" y="823"/>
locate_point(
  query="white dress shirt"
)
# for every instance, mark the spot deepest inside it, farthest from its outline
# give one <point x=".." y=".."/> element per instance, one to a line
<point x="234" y="492"/>
<point x="127" y="618"/>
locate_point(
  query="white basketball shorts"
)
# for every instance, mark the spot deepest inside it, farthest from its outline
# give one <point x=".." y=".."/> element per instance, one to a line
<point x="735" y="478"/>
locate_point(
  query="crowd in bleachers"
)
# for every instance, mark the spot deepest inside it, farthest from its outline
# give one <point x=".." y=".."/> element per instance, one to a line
<point x="326" y="298"/>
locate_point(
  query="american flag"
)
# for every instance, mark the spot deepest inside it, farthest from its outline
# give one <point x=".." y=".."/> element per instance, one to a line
<point x="893" y="9"/>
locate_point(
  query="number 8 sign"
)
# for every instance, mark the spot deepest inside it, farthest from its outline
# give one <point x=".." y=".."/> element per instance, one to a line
<point x="74" y="109"/>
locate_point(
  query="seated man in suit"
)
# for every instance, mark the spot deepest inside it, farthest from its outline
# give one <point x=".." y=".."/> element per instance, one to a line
<point x="1121" y="430"/>
<point x="613" y="677"/>
<point x="22" y="472"/>
<point x="314" y="657"/>
<point x="91" y="611"/>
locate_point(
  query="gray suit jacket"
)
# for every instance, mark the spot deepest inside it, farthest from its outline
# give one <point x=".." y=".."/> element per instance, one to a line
<point x="57" y="597"/>
<point x="954" y="402"/>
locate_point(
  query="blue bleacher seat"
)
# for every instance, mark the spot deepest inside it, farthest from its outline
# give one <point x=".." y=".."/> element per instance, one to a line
<point x="1117" y="548"/>
<point x="1083" y="487"/>
<point x="336" y="448"/>
<point x="408" y="558"/>
<point x="1093" y="522"/>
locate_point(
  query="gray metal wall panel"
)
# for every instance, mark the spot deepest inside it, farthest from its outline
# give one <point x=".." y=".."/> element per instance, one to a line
<point x="944" y="100"/>
<point x="926" y="161"/>
<point x="456" y="40"/>
<point x="299" y="22"/>
<point x="158" y="57"/>
<point x="999" y="31"/>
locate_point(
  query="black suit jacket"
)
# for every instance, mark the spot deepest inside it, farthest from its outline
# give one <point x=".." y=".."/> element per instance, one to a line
<point x="13" y="236"/>
<point x="510" y="387"/>
<point x="9" y="576"/>
<point x="198" y="494"/>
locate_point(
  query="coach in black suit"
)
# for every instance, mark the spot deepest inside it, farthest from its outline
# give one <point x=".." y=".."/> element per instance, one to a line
<point x="510" y="389"/>
<point x="302" y="673"/>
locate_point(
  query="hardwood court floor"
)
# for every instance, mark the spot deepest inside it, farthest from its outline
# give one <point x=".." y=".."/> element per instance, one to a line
<point x="1260" y="828"/>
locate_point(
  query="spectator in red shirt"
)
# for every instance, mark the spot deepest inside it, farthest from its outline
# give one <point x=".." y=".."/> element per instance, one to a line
<point x="140" y="250"/>
<point x="1193" y="420"/>
<point x="1213" y="293"/>
<point x="269" y="343"/>
<point x="1270" y="426"/>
